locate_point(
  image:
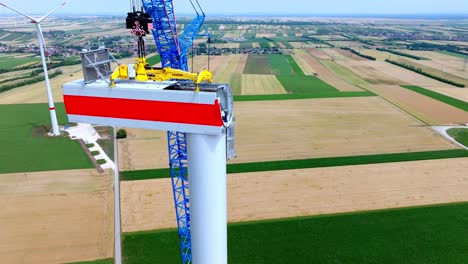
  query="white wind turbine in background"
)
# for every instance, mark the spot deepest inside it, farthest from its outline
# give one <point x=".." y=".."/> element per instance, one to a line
<point x="40" y="36"/>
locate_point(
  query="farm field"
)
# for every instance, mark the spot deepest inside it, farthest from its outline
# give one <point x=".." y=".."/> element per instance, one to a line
<point x="322" y="135"/>
<point x="35" y="93"/>
<point x="460" y="104"/>
<point x="345" y="127"/>
<point x="312" y="65"/>
<point x="329" y="239"/>
<point x="8" y="62"/>
<point x="27" y="149"/>
<point x="68" y="212"/>
<point x="430" y="110"/>
<point x="460" y="94"/>
<point x="367" y="71"/>
<point x="308" y="192"/>
<point x="350" y="55"/>
<point x="434" y="68"/>
<point x="442" y="65"/>
<point x="390" y="74"/>
<point x="345" y="74"/>
<point x="319" y="54"/>
<point x="253" y="84"/>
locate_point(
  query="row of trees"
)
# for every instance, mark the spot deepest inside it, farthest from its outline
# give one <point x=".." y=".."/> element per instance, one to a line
<point x="420" y="71"/>
<point x="360" y="54"/>
<point x="402" y="54"/>
<point x="29" y="81"/>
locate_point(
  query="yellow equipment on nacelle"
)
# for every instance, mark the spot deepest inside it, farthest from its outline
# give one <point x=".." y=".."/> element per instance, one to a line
<point x="141" y="72"/>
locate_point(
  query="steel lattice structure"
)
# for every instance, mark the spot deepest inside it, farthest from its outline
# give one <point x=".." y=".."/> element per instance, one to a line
<point x="173" y="50"/>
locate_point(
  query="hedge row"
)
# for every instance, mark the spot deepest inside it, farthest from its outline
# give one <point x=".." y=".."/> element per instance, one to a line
<point x="420" y="71"/>
<point x="360" y="54"/>
<point x="5" y="88"/>
<point x="309" y="163"/>
<point x="402" y="54"/>
<point x="33" y="74"/>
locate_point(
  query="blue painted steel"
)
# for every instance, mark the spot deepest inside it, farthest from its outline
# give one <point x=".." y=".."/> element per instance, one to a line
<point x="173" y="51"/>
<point x="165" y="31"/>
<point x="178" y="166"/>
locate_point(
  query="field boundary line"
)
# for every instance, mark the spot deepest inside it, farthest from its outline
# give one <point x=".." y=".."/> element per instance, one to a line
<point x="311" y="163"/>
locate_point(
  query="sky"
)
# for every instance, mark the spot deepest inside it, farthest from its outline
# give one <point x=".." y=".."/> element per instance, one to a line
<point x="257" y="7"/>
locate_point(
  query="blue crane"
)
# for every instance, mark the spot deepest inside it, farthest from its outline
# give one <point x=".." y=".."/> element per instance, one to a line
<point x="173" y="49"/>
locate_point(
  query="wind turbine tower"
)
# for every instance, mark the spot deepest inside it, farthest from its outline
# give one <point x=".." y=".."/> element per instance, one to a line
<point x="40" y="37"/>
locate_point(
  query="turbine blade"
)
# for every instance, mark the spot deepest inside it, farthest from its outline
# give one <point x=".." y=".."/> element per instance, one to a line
<point x="16" y="11"/>
<point x="53" y="10"/>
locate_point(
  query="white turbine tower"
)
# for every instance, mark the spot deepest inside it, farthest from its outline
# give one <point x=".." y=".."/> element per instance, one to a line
<point x="40" y="36"/>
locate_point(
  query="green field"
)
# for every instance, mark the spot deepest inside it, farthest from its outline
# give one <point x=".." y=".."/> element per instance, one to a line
<point x="421" y="235"/>
<point x="24" y="150"/>
<point x="460" y="135"/>
<point x="288" y="73"/>
<point x="453" y="54"/>
<point x="304" y="84"/>
<point x="279" y="65"/>
<point x="153" y="60"/>
<point x="310" y="163"/>
<point x="8" y="62"/>
<point x="440" y="97"/>
<point x="272" y="64"/>
<point x="17" y="36"/>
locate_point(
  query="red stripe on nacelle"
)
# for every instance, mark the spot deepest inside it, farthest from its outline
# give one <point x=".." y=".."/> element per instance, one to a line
<point x="51" y="108"/>
<point x="171" y="112"/>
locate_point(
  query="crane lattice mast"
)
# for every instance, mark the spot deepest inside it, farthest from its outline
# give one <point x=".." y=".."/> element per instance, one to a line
<point x="173" y="50"/>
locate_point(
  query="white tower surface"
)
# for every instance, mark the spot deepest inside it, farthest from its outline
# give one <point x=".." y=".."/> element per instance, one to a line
<point x="40" y="37"/>
<point x="207" y="183"/>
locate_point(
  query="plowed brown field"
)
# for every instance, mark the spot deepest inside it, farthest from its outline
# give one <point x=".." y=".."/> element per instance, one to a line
<point x="430" y="110"/>
<point x="147" y="205"/>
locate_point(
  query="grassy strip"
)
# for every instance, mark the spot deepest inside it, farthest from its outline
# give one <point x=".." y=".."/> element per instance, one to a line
<point x="440" y="97"/>
<point x="460" y="135"/>
<point x="153" y="60"/>
<point x="420" y="235"/>
<point x="402" y="54"/>
<point x="294" y="66"/>
<point x="344" y="73"/>
<point x="310" y="163"/>
<point x="99" y="261"/>
<point x="420" y="71"/>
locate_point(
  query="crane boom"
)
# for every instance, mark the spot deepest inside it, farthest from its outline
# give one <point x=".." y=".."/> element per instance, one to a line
<point x="165" y="32"/>
<point x="173" y="50"/>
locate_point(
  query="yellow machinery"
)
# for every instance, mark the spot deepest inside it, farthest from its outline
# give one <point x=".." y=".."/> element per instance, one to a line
<point x="142" y="72"/>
